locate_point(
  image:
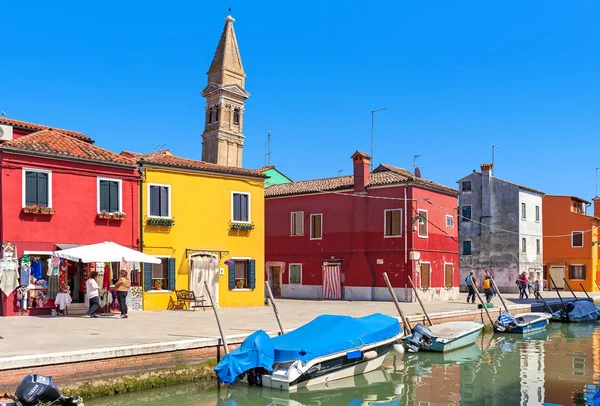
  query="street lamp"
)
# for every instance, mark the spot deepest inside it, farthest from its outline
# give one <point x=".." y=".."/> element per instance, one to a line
<point x="373" y="133"/>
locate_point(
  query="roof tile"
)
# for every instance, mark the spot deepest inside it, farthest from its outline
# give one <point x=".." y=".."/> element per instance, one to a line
<point x="37" y="127"/>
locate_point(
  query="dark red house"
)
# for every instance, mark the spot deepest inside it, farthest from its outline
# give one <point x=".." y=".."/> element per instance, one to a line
<point x="334" y="238"/>
<point x="57" y="189"/>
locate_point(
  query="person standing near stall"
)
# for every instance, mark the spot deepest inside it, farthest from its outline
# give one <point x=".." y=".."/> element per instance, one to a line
<point x="93" y="294"/>
<point x="122" y="287"/>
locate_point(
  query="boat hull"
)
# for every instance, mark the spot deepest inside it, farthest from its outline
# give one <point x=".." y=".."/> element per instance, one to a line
<point x="533" y="322"/>
<point x="440" y="345"/>
<point x="452" y="336"/>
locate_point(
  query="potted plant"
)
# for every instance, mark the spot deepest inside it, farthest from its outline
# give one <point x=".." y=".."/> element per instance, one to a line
<point x="46" y="210"/>
<point x="103" y="215"/>
<point x="158" y="284"/>
<point x="160" y="221"/>
<point x="118" y="215"/>
<point x="241" y="226"/>
<point x="32" y="208"/>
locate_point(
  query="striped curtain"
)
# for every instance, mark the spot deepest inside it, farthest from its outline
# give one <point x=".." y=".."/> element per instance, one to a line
<point x="332" y="283"/>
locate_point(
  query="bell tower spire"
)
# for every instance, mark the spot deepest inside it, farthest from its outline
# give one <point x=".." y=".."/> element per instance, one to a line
<point x="223" y="140"/>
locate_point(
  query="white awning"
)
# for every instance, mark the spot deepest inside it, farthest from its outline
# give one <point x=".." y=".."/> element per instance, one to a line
<point x="105" y="252"/>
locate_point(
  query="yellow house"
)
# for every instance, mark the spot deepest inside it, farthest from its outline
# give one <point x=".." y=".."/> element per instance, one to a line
<point x="206" y="222"/>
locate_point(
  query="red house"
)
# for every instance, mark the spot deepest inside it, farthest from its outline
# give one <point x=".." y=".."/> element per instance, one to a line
<point x="334" y="238"/>
<point x="57" y="189"/>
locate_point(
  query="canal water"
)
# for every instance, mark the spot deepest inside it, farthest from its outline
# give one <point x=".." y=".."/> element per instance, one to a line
<point x="559" y="366"/>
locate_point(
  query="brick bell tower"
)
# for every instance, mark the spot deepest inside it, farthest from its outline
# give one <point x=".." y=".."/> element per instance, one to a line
<point x="223" y="140"/>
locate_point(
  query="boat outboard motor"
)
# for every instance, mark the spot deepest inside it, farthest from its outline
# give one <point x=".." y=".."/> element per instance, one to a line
<point x="39" y="389"/>
<point x="564" y="312"/>
<point x="420" y="339"/>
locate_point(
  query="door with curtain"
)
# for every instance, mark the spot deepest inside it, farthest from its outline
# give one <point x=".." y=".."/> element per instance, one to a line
<point x="332" y="281"/>
<point x="204" y="268"/>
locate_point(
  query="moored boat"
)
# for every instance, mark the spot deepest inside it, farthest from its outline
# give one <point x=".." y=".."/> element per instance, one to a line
<point x="577" y="312"/>
<point x="443" y="337"/>
<point x="521" y="323"/>
<point x="328" y="348"/>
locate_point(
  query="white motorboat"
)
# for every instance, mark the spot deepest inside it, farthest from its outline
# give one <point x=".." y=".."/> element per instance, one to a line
<point x="443" y="337"/>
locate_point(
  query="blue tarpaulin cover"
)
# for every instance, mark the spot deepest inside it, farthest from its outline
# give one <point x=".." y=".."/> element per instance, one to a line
<point x="328" y="334"/>
<point x="256" y="351"/>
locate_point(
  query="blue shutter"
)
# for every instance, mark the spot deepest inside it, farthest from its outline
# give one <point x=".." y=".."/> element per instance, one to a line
<point x="164" y="201"/>
<point x="42" y="188"/>
<point x="237" y="207"/>
<point x="171" y="283"/>
<point x="30" y="188"/>
<point x="252" y="274"/>
<point x="104" y="196"/>
<point x="114" y="196"/>
<point x="154" y="201"/>
<point x="232" y="275"/>
<point x="147" y="276"/>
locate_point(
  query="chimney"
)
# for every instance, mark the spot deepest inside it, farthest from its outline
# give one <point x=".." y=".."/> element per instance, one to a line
<point x="486" y="170"/>
<point x="362" y="175"/>
<point x="596" y="201"/>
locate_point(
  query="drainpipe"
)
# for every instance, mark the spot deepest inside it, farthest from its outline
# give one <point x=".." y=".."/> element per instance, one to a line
<point x="405" y="247"/>
<point x="140" y="209"/>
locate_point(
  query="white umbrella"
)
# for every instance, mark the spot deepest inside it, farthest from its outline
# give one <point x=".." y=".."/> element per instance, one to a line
<point x="105" y="252"/>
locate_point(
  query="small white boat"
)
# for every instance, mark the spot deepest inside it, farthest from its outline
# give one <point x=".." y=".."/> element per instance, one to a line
<point x="521" y="323"/>
<point x="577" y="312"/>
<point x="443" y="337"/>
<point x="327" y="349"/>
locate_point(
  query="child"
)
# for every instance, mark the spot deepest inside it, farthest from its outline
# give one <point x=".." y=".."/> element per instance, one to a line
<point x="487" y="289"/>
<point x="536" y="290"/>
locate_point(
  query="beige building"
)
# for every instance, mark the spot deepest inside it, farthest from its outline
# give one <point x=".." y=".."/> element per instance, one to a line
<point x="223" y="140"/>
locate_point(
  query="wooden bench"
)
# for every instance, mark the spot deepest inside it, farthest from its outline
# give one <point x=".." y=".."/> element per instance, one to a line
<point x="186" y="299"/>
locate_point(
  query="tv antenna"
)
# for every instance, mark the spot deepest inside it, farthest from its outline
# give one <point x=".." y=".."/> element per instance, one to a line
<point x="159" y="147"/>
<point x="415" y="160"/>
<point x="340" y="172"/>
<point x="268" y="149"/>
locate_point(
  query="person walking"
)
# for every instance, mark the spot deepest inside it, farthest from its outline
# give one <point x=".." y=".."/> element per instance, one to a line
<point x="122" y="287"/>
<point x="470" y="281"/>
<point x="487" y="274"/>
<point x="487" y="289"/>
<point x="523" y="282"/>
<point x="536" y="290"/>
<point x="93" y="294"/>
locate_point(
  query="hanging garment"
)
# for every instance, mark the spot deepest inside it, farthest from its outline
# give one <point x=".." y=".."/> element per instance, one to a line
<point x="25" y="275"/>
<point x="53" y="287"/>
<point x="36" y="269"/>
<point x="106" y="278"/>
<point x="9" y="281"/>
<point x="23" y="297"/>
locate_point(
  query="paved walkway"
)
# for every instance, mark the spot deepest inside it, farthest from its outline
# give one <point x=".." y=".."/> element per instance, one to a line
<point x="42" y="335"/>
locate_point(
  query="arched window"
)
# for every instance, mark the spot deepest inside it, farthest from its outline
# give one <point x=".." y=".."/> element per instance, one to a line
<point x="236" y="117"/>
<point x="210" y="115"/>
<point x="217" y="110"/>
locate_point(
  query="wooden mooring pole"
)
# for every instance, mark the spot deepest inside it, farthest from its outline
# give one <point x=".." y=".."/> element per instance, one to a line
<point x="419" y="300"/>
<point x="481" y="300"/>
<point x="212" y="302"/>
<point x="557" y="292"/>
<point x="407" y="326"/>
<point x="569" y="286"/>
<point x="499" y="295"/>
<point x="274" y="307"/>
<point x="545" y="303"/>
<point x="597" y="285"/>
<point x="585" y="291"/>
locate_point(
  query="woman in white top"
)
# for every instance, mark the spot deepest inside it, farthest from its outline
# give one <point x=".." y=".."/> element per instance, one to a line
<point x="93" y="294"/>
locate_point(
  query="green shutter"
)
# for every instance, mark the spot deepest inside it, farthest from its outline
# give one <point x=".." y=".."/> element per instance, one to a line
<point x="114" y="197"/>
<point x="42" y="188"/>
<point x="252" y="274"/>
<point x="232" y="275"/>
<point x="147" y="276"/>
<point x="171" y="284"/>
<point x="104" y="196"/>
<point x="30" y="188"/>
<point x="154" y="201"/>
<point x="164" y="201"/>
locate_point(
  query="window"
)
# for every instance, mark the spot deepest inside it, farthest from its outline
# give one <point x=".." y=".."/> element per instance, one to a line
<point x="316" y="226"/>
<point x="160" y="200"/>
<point x="523" y="245"/>
<point x="450" y="221"/>
<point x="425" y="275"/>
<point x="423" y="224"/>
<point x="37" y="188"/>
<point x="523" y="211"/>
<point x="242" y="273"/>
<point x="538" y="246"/>
<point x="466" y="213"/>
<point x="466" y="186"/>
<point x="448" y="275"/>
<point x="393" y="222"/>
<point x="236" y="116"/>
<point x="240" y="207"/>
<point x="296" y="274"/>
<point x="297" y="223"/>
<point x="466" y="248"/>
<point x="160" y="275"/>
<point x="217" y="110"/>
<point x="577" y="272"/>
<point x="537" y="213"/>
<point x="577" y="239"/>
<point x="109" y="195"/>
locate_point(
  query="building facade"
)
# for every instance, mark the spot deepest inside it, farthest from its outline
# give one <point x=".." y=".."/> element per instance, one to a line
<point x="500" y="229"/>
<point x="334" y="238"/>
<point x="571" y="244"/>
<point x="58" y="190"/>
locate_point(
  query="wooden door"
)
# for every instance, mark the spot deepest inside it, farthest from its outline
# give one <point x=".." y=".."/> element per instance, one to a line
<point x="275" y="281"/>
<point x="558" y="273"/>
<point x="425" y="275"/>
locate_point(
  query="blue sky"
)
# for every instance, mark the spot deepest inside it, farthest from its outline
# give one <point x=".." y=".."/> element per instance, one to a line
<point x="456" y="78"/>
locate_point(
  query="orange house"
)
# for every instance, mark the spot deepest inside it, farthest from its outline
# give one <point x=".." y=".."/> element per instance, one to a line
<point x="570" y="243"/>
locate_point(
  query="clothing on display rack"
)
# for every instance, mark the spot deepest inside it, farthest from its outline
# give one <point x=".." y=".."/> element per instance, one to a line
<point x="25" y="275"/>
<point x="53" y="287"/>
<point x="36" y="269"/>
<point x="9" y="280"/>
